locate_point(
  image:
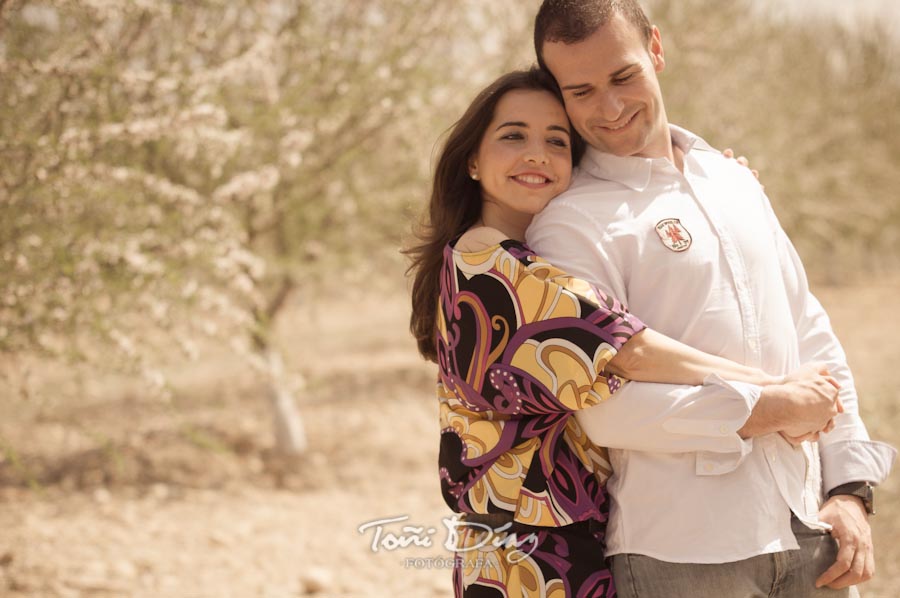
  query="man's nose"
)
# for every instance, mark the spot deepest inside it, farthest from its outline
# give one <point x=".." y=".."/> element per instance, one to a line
<point x="609" y="107"/>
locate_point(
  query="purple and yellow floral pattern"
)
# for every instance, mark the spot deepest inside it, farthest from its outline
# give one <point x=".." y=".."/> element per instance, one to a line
<point x="522" y="346"/>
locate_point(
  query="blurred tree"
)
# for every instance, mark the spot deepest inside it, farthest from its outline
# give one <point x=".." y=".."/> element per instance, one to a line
<point x="813" y="103"/>
<point x="172" y="169"/>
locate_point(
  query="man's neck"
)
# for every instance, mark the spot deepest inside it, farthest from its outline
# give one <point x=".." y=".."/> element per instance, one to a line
<point x="665" y="147"/>
<point x="678" y="158"/>
<point x="671" y="151"/>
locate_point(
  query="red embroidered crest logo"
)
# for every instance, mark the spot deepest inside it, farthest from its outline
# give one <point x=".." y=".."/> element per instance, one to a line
<point x="673" y="234"/>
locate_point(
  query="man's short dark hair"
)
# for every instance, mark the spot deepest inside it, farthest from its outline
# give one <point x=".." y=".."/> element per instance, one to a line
<point x="572" y="21"/>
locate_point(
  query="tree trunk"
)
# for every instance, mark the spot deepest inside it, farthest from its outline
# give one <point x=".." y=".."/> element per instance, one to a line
<point x="290" y="435"/>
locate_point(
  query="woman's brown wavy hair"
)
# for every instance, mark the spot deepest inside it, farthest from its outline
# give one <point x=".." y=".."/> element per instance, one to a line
<point x="456" y="199"/>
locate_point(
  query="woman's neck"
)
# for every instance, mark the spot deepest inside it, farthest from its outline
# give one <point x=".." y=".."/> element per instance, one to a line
<point x="513" y="225"/>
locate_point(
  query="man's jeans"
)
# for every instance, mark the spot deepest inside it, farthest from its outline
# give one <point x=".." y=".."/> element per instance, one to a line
<point x="789" y="574"/>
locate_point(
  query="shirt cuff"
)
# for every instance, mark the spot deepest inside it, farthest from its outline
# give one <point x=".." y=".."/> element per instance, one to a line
<point x="723" y="424"/>
<point x="712" y="463"/>
<point x="855" y="461"/>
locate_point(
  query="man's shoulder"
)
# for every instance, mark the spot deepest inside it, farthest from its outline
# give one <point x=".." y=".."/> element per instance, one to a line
<point x="590" y="194"/>
<point x="716" y="164"/>
<point x="588" y="203"/>
<point x="583" y="179"/>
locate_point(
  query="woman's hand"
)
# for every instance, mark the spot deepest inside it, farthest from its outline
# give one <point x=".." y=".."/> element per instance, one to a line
<point x="742" y="160"/>
<point x="811" y="437"/>
<point x="806" y="372"/>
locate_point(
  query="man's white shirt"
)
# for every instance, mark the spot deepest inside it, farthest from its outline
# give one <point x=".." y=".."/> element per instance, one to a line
<point x="700" y="256"/>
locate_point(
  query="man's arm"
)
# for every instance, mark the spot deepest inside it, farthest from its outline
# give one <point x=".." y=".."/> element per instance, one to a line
<point x="847" y="454"/>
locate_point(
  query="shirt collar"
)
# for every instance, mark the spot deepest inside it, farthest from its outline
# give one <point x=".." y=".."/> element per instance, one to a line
<point x="634" y="171"/>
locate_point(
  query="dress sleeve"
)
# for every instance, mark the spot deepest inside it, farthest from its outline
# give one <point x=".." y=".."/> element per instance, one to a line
<point x="549" y="344"/>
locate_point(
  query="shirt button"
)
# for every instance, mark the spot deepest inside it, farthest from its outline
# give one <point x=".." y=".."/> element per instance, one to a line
<point x="723" y="430"/>
<point x="772" y="457"/>
<point x="708" y="467"/>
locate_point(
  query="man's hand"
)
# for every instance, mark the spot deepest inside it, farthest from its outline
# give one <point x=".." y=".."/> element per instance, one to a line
<point x="855" y="561"/>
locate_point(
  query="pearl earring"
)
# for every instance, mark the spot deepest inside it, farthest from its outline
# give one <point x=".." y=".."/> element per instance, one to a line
<point x="474" y="176"/>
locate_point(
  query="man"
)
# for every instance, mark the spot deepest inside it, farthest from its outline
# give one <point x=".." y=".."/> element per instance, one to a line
<point x="658" y="218"/>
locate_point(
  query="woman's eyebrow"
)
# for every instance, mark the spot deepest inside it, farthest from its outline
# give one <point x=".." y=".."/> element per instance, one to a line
<point x="516" y="123"/>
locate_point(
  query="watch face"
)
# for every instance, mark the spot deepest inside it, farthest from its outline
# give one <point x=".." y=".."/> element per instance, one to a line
<point x="869" y="500"/>
<point x="867" y="494"/>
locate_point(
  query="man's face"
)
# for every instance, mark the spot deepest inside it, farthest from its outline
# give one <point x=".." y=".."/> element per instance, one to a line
<point x="611" y="91"/>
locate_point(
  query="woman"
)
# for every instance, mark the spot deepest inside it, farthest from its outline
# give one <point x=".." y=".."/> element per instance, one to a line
<point x="520" y="346"/>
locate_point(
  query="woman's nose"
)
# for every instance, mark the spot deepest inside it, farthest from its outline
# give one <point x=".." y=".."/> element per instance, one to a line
<point x="536" y="154"/>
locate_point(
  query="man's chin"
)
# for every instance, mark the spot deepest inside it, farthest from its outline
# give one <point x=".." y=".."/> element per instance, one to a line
<point x="616" y="150"/>
<point x="616" y="147"/>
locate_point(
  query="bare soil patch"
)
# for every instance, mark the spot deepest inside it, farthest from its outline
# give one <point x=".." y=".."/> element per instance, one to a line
<point x="121" y="495"/>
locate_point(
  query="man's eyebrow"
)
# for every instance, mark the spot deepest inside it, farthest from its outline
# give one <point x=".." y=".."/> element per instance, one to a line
<point x="623" y="69"/>
<point x="617" y="73"/>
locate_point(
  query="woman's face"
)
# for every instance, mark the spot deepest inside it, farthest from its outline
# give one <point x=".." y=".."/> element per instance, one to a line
<point x="525" y="157"/>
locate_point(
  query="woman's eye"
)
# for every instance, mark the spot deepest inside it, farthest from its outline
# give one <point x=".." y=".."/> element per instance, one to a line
<point x="558" y="141"/>
<point x="513" y="136"/>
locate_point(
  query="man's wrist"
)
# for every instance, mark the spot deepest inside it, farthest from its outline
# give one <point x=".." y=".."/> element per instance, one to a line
<point x="862" y="492"/>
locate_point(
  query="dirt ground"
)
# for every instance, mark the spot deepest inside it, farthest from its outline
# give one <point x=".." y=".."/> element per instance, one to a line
<point x="121" y="495"/>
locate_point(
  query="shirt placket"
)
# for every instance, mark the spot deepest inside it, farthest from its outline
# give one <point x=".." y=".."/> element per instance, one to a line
<point x="701" y="193"/>
<point x="698" y="188"/>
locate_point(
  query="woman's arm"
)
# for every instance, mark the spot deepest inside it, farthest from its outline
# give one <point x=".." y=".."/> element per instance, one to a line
<point x="654" y="357"/>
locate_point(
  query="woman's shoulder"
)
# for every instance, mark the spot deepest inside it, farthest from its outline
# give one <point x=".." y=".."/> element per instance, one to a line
<point x="480" y="238"/>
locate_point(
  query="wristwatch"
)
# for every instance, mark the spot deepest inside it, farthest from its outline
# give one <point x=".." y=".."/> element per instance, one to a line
<point x="863" y="490"/>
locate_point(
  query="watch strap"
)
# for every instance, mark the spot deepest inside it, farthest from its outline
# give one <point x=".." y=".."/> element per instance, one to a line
<point x="862" y="490"/>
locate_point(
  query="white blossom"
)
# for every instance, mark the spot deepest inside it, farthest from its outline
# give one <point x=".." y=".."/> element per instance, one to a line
<point x="247" y="184"/>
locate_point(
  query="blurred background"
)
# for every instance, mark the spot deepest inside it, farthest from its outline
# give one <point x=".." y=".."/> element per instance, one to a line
<point x="207" y="386"/>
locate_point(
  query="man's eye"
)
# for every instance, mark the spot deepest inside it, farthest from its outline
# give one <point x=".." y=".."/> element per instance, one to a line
<point x="624" y="79"/>
<point x="581" y="93"/>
